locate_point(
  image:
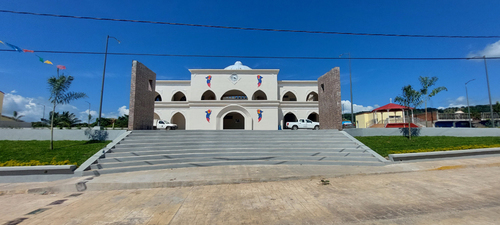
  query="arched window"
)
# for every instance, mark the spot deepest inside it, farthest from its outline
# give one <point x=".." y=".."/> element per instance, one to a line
<point x="208" y="95"/>
<point x="314" y="117"/>
<point x="312" y="97"/>
<point x="179" y="96"/>
<point x="289" y="96"/>
<point x="259" y="95"/>
<point x="158" y="97"/>
<point x="234" y="95"/>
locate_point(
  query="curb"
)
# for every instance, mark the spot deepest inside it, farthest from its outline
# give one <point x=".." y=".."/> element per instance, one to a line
<point x="443" y="154"/>
<point x="36" y="170"/>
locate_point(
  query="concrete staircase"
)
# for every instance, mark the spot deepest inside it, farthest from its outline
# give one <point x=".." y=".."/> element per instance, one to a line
<point x="160" y="149"/>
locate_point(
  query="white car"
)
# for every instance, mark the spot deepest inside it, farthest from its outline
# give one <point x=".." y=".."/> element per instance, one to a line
<point x="303" y="124"/>
<point x="162" y="124"/>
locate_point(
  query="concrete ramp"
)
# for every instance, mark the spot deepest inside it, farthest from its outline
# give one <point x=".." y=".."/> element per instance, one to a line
<point x="160" y="149"/>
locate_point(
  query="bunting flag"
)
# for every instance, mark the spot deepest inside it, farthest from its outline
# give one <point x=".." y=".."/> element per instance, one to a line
<point x="40" y="58"/>
<point x="14" y="47"/>
<point x="18" y="49"/>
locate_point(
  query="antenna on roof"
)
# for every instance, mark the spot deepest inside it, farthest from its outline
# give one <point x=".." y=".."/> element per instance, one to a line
<point x="390" y="100"/>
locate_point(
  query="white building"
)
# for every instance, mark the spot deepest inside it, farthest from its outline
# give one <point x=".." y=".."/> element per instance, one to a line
<point x="236" y="97"/>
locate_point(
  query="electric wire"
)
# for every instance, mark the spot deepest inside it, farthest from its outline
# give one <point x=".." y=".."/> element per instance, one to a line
<point x="254" y="57"/>
<point x="250" y="28"/>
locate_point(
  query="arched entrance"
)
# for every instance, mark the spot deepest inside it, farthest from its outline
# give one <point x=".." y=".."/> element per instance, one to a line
<point x="234" y="108"/>
<point x="233" y="120"/>
<point x="180" y="120"/>
<point x="289" y="117"/>
<point x="314" y="117"/>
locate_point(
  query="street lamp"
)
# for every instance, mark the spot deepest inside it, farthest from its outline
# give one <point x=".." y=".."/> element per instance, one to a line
<point x="350" y="85"/>
<point x="88" y="123"/>
<point x="43" y="111"/>
<point x="466" y="94"/>
<point x="103" y="74"/>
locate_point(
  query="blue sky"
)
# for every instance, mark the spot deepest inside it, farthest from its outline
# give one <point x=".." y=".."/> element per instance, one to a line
<point x="24" y="79"/>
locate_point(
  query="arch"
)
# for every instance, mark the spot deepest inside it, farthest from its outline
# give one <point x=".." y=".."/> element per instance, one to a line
<point x="179" y="96"/>
<point x="234" y="95"/>
<point x="179" y="119"/>
<point x="289" y="117"/>
<point x="208" y="95"/>
<point x="158" y="97"/>
<point x="234" y="108"/>
<point x="156" y="116"/>
<point x="233" y="120"/>
<point x="259" y="95"/>
<point x="314" y="117"/>
<point x="289" y="96"/>
<point x="312" y="97"/>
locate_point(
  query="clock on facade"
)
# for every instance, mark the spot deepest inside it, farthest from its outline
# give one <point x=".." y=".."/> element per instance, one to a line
<point x="234" y="77"/>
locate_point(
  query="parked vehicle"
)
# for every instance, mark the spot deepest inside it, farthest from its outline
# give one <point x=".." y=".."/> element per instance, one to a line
<point x="303" y="124"/>
<point x="163" y="124"/>
<point x="347" y="124"/>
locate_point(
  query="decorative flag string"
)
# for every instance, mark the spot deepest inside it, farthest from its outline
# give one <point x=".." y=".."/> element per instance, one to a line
<point x="20" y="50"/>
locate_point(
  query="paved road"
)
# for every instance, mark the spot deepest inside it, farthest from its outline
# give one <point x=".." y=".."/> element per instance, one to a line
<point x="447" y="195"/>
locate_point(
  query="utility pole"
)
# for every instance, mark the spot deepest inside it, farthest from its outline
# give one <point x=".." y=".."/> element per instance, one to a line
<point x="489" y="94"/>
<point x="103" y="75"/>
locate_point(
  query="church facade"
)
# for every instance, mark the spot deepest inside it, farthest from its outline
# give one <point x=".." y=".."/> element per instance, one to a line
<point x="236" y="97"/>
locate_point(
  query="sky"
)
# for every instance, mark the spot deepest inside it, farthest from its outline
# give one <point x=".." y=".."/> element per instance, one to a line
<point x="23" y="78"/>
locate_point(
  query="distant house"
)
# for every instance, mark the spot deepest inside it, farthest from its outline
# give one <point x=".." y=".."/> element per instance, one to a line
<point x="390" y="115"/>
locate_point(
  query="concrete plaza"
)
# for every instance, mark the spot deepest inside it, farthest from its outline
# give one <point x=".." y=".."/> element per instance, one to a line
<point x="457" y="191"/>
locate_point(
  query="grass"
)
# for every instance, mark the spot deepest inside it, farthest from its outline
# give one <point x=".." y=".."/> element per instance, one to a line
<point x="32" y="153"/>
<point x="385" y="145"/>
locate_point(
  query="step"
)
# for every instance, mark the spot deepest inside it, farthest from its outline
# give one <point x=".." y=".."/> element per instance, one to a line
<point x="229" y="163"/>
<point x="288" y="149"/>
<point x="116" y="164"/>
<point x="134" y="156"/>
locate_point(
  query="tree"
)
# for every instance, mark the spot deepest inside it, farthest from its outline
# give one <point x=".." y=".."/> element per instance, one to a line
<point x="409" y="98"/>
<point x="17" y="117"/>
<point x="59" y="94"/>
<point x="426" y="83"/>
<point x="68" y="119"/>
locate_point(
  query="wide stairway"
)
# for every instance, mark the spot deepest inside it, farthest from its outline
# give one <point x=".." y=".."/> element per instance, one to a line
<point x="160" y="149"/>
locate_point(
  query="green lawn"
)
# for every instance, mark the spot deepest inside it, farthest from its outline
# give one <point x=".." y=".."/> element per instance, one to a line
<point x="31" y="153"/>
<point x="385" y="145"/>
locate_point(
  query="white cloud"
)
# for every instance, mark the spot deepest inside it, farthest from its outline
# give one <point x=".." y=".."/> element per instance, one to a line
<point x="491" y="50"/>
<point x="122" y="111"/>
<point x="459" y="102"/>
<point x="84" y="116"/>
<point x="32" y="109"/>
<point x="346" y="105"/>
<point x="25" y="106"/>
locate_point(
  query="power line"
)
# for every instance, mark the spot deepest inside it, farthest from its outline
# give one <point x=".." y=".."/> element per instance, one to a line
<point x="256" y="57"/>
<point x="252" y="28"/>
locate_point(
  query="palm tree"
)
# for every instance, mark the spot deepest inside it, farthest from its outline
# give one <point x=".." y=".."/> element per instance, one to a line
<point x="69" y="119"/>
<point x="409" y="98"/>
<point x="426" y="83"/>
<point x="58" y="87"/>
<point x="17" y="117"/>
